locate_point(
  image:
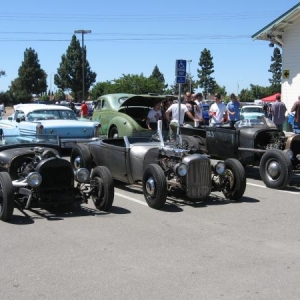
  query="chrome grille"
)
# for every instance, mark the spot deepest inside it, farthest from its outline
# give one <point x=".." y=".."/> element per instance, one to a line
<point x="198" y="180"/>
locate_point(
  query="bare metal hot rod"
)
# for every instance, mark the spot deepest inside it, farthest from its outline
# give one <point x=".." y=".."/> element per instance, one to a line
<point x="162" y="168"/>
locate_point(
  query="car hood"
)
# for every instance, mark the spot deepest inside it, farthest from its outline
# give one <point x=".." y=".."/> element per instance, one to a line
<point x="142" y="100"/>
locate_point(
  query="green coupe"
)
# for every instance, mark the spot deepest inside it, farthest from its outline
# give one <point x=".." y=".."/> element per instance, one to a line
<point x="124" y="114"/>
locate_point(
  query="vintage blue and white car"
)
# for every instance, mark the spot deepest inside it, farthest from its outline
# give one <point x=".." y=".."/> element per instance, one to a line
<point x="50" y="119"/>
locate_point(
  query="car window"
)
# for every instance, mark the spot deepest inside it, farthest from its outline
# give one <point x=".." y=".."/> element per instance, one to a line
<point x="104" y="104"/>
<point x="67" y="115"/>
<point x="122" y="100"/>
<point x="20" y="115"/>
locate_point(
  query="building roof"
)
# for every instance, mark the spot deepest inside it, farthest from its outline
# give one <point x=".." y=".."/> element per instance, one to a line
<point x="273" y="32"/>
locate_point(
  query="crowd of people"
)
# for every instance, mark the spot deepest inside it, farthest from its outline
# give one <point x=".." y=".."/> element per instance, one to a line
<point x="191" y="112"/>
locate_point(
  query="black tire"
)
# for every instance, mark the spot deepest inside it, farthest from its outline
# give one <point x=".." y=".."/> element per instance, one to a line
<point x="155" y="186"/>
<point x="81" y="157"/>
<point x="234" y="180"/>
<point x="190" y="143"/>
<point x="103" y="193"/>
<point x="113" y="132"/>
<point x="275" y="169"/>
<point x="7" y="202"/>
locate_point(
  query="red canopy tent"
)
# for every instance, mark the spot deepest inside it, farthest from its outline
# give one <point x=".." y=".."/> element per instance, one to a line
<point x="270" y="98"/>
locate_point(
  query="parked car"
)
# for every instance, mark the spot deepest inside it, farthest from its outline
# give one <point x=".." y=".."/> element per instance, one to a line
<point x="254" y="142"/>
<point x="51" y="119"/>
<point x="251" y="112"/>
<point x="124" y="114"/>
<point x="33" y="174"/>
<point x="162" y="168"/>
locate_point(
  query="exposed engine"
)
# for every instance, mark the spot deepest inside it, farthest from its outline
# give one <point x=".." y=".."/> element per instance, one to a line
<point x="270" y="140"/>
<point x="29" y="163"/>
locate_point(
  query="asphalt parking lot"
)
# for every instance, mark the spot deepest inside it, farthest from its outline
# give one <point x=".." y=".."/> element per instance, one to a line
<point x="214" y="249"/>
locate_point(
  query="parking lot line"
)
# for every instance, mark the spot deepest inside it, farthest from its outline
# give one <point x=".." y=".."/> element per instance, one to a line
<point x="262" y="186"/>
<point x="131" y="199"/>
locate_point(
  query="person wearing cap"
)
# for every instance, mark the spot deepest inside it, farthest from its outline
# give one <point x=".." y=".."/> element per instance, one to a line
<point x="233" y="110"/>
<point x="217" y="111"/>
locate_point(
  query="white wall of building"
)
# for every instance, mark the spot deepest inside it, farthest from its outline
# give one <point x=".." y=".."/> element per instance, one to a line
<point x="290" y="88"/>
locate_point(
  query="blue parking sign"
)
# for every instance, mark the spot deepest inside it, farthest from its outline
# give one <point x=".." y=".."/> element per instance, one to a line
<point x="180" y="68"/>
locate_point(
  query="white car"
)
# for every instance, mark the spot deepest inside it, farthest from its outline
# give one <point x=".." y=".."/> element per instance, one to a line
<point x="50" y="119"/>
<point x="250" y="112"/>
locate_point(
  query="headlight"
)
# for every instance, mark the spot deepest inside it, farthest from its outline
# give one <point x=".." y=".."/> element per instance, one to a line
<point x="34" y="179"/>
<point x="289" y="153"/>
<point x="180" y="169"/>
<point x="220" y="168"/>
<point x="82" y="175"/>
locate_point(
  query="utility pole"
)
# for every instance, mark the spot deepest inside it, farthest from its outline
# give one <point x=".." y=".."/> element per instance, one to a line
<point x="190" y="79"/>
<point x="83" y="32"/>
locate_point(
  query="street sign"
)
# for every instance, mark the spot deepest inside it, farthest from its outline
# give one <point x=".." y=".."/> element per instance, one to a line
<point x="180" y="79"/>
<point x="180" y="68"/>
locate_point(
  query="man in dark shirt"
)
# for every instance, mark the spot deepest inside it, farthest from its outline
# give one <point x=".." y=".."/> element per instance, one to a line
<point x="296" y="109"/>
<point x="278" y="112"/>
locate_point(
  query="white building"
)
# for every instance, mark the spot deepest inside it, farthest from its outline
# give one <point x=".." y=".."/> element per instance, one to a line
<point x="284" y="32"/>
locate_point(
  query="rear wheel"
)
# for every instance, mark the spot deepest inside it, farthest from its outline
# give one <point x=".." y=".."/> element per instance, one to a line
<point x="81" y="157"/>
<point x="113" y="132"/>
<point x="103" y="192"/>
<point x="275" y="169"/>
<point x="234" y="184"/>
<point x="6" y="197"/>
<point x="155" y="186"/>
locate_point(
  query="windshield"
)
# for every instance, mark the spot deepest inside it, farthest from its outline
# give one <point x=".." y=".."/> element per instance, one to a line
<point x="252" y="109"/>
<point x="45" y="139"/>
<point x="38" y="115"/>
<point x="259" y="122"/>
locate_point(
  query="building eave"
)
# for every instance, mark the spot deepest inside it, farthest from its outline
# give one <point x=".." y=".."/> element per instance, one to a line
<point x="274" y="31"/>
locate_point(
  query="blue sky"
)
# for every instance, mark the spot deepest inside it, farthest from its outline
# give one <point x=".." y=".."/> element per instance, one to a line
<point x="131" y="37"/>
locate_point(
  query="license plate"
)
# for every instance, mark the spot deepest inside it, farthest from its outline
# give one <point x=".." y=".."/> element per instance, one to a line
<point x="69" y="145"/>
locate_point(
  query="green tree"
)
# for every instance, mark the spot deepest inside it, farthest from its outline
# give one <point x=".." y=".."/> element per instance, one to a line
<point x="18" y="92"/>
<point x="2" y="73"/>
<point x="160" y="78"/>
<point x="69" y="73"/>
<point x="276" y="70"/>
<point x="31" y="78"/>
<point x="59" y="95"/>
<point x="206" y="81"/>
<point x="185" y="87"/>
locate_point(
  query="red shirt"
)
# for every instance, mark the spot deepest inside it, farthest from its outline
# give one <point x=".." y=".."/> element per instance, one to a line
<point x="84" y="109"/>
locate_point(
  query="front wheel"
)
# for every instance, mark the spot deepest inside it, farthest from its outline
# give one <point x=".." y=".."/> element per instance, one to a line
<point x="234" y="184"/>
<point x="155" y="186"/>
<point x="275" y="169"/>
<point x="103" y="192"/>
<point x="6" y="197"/>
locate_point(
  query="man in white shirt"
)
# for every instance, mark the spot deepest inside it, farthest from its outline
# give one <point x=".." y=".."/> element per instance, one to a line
<point x="217" y="111"/>
<point x="172" y="115"/>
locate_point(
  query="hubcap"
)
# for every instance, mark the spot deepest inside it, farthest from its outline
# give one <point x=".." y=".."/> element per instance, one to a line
<point x="77" y="162"/>
<point x="273" y="170"/>
<point x="150" y="186"/>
